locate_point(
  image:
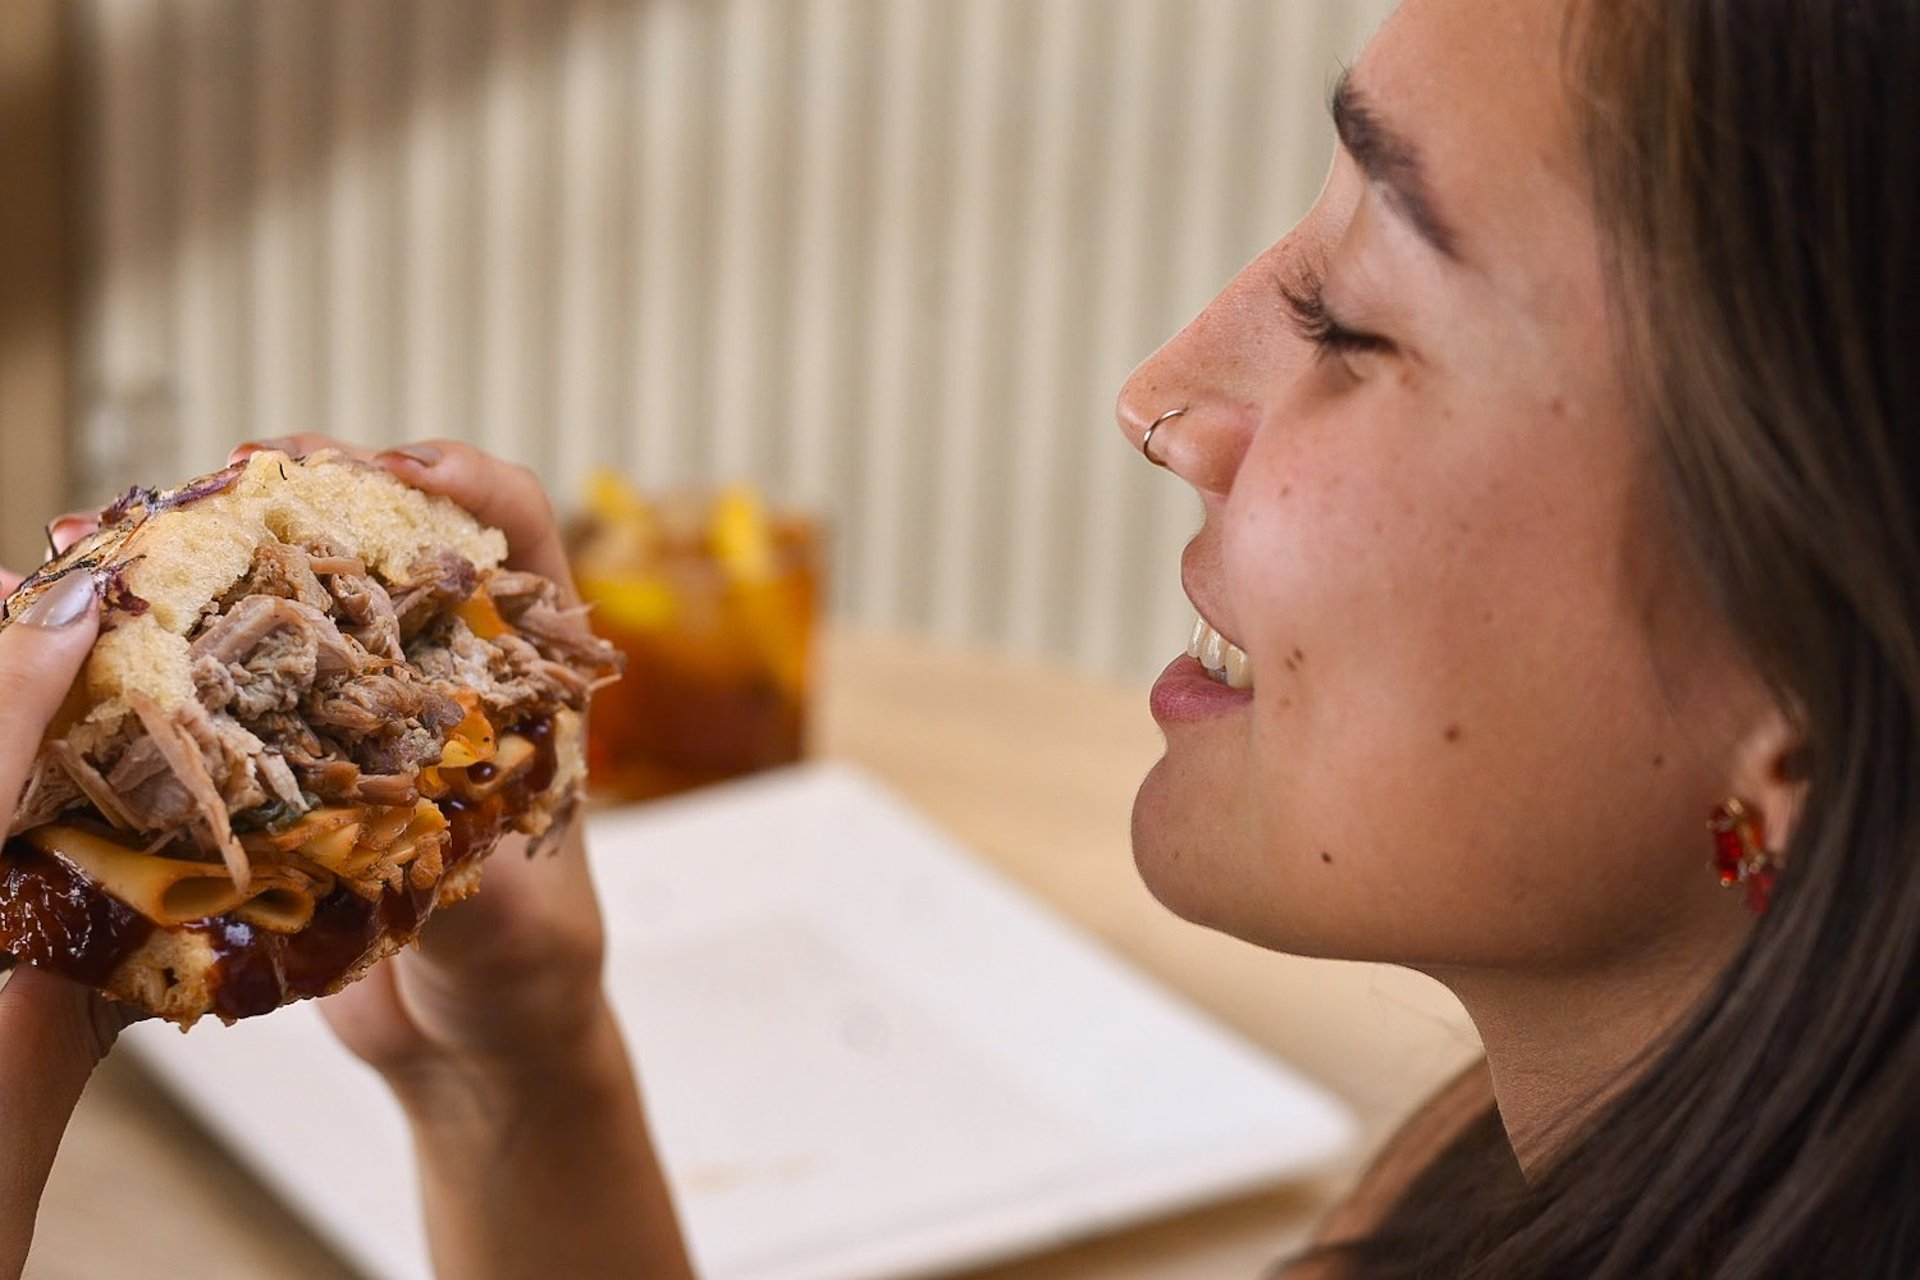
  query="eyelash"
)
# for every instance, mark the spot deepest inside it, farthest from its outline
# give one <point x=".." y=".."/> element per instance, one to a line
<point x="1306" y="299"/>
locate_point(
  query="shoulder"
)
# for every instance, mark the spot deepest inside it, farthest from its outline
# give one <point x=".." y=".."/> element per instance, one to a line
<point x="1408" y="1153"/>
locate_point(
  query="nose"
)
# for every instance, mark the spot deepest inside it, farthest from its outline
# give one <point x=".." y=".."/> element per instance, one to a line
<point x="1178" y="418"/>
<point x="1201" y="395"/>
<point x="1148" y="403"/>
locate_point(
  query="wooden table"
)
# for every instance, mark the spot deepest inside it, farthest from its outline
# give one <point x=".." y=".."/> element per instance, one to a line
<point x="1032" y="766"/>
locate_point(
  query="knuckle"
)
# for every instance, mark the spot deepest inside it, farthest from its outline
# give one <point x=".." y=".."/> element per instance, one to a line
<point x="33" y="680"/>
<point x="534" y="489"/>
<point x="102" y="1022"/>
<point x="79" y="1024"/>
<point x="23" y="689"/>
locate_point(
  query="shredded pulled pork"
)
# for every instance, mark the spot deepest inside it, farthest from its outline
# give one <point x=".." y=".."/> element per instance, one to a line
<point x="50" y="791"/>
<point x="280" y="569"/>
<point x="185" y="762"/>
<point x="318" y="683"/>
<point x="368" y="611"/>
<point x="436" y="582"/>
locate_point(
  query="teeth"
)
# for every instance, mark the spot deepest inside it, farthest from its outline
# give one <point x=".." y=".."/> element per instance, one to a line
<point x="1213" y="651"/>
<point x="1225" y="662"/>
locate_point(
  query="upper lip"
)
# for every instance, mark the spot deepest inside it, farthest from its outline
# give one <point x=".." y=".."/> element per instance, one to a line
<point x="1199" y="594"/>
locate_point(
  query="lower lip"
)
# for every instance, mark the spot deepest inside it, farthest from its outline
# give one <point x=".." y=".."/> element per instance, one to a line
<point x="1186" y="692"/>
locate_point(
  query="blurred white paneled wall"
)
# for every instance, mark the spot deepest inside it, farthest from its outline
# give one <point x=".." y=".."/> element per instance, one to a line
<point x="889" y="259"/>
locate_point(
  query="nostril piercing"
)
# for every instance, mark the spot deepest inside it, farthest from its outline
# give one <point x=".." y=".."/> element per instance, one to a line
<point x="1146" y="439"/>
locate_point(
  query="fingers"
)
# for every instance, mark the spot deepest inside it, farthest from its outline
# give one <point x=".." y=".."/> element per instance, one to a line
<point x="527" y="904"/>
<point x="509" y="977"/>
<point x="499" y="493"/>
<point x="52" y="1032"/>
<point x="9" y="580"/>
<point x="67" y="529"/>
<point x="52" y="1035"/>
<point x="502" y="494"/>
<point x="298" y="446"/>
<point x="40" y="654"/>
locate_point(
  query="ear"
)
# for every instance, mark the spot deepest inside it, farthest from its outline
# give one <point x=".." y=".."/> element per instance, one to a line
<point x="1770" y="775"/>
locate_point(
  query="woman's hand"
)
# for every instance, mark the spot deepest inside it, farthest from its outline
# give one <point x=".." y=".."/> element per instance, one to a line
<point x="52" y="1032"/>
<point x="495" y="1032"/>
<point x="508" y="983"/>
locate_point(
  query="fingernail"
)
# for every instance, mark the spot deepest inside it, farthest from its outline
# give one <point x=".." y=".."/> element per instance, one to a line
<point x="422" y="454"/>
<point x="284" y="444"/>
<point x="62" y="604"/>
<point x="64" y="531"/>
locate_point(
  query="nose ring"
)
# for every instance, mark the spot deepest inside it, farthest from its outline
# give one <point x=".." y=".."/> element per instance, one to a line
<point x="1146" y="439"/>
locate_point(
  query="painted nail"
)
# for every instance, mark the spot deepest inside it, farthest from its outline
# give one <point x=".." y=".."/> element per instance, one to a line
<point x="63" y="604"/>
<point x="66" y="530"/>
<point x="285" y="444"/>
<point x="424" y="455"/>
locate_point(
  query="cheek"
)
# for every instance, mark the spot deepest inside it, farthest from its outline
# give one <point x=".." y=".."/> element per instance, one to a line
<point x="1456" y="701"/>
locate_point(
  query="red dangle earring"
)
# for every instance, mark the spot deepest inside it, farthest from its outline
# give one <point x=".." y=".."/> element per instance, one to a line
<point x="1740" y="853"/>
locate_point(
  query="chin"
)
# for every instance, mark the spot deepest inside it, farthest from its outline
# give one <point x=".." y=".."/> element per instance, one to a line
<point x="1156" y="838"/>
<point x="1180" y="848"/>
<point x="1205" y="870"/>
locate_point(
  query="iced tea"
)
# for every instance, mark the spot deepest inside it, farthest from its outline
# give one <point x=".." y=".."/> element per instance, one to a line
<point x="713" y="600"/>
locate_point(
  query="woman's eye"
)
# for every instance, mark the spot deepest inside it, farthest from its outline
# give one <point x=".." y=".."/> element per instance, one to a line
<point x="1307" y="303"/>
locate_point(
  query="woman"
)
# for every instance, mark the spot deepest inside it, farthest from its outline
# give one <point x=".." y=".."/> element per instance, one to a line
<point x="1559" y="475"/>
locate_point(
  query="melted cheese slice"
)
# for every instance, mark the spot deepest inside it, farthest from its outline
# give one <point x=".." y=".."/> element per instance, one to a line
<point x="174" y="891"/>
<point x="366" y="847"/>
<point x="471" y="741"/>
<point x="514" y="755"/>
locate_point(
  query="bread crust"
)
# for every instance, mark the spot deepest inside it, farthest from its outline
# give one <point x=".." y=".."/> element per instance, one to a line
<point x="163" y="557"/>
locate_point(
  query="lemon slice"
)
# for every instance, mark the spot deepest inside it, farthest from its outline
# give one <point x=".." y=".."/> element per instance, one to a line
<point x="637" y="603"/>
<point x="741" y="539"/>
<point x="612" y="498"/>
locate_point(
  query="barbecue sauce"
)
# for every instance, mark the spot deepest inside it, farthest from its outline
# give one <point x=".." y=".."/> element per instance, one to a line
<point x="257" y="971"/>
<point x="475" y="824"/>
<point x="52" y="916"/>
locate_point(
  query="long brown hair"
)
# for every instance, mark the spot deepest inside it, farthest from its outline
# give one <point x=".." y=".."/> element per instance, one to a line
<point x="1756" y="166"/>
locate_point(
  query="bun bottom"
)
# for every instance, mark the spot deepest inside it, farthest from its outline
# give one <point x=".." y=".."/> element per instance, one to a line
<point x="183" y="974"/>
<point x="230" y="969"/>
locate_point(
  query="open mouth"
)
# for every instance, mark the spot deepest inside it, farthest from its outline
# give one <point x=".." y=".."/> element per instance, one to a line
<point x="1225" y="661"/>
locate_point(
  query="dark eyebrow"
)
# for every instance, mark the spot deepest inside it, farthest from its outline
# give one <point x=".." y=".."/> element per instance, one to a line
<point x="1391" y="160"/>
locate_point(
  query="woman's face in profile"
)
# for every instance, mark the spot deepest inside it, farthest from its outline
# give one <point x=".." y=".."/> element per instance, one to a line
<point x="1491" y="707"/>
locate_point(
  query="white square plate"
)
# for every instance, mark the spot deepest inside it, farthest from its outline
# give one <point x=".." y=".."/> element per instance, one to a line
<point x="865" y="1055"/>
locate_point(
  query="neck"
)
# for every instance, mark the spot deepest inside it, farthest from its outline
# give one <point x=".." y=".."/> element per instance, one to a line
<point x="1560" y="1047"/>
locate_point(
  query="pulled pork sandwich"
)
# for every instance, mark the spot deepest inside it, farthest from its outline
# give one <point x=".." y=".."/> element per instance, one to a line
<point x="317" y="702"/>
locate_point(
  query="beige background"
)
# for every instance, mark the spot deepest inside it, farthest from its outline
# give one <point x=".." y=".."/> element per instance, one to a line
<point x="889" y="258"/>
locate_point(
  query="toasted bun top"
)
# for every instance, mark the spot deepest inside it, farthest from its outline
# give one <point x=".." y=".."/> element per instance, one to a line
<point x="163" y="558"/>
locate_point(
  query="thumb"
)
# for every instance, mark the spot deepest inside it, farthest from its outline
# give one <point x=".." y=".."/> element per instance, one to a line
<point x="52" y="1032"/>
<point x="52" y="1035"/>
<point x="41" y="651"/>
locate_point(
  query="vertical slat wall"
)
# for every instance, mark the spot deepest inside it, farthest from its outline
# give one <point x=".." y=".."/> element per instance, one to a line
<point x="889" y="259"/>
